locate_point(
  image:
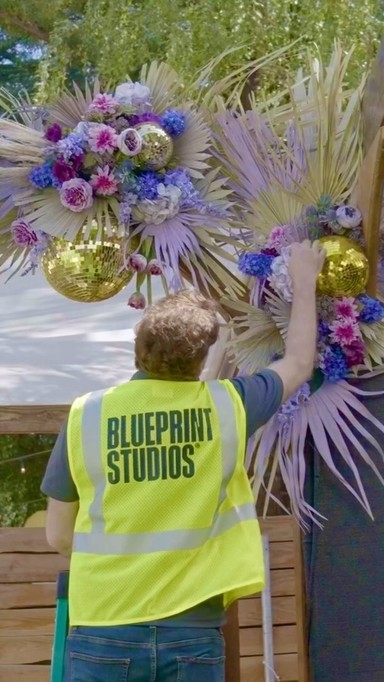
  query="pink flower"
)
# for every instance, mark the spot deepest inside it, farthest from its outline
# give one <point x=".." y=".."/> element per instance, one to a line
<point x="137" y="301"/>
<point x="102" y="139"/>
<point x="346" y="307"/>
<point x="23" y="234"/>
<point x="279" y="237"/>
<point x="130" y="142"/>
<point x="344" y="331"/>
<point x="76" y="195"/>
<point x="104" y="182"/>
<point x="106" y="104"/>
<point x="137" y="262"/>
<point x="154" y="267"/>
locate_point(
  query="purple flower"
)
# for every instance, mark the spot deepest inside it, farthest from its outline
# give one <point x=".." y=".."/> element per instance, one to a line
<point x="333" y="363"/>
<point x="323" y="331"/>
<point x="348" y="216"/>
<point x="53" y="133"/>
<point x="147" y="117"/>
<point x="355" y="353"/>
<point x="173" y="122"/>
<point x="41" y="176"/>
<point x="70" y="146"/>
<point x="137" y="301"/>
<point x="125" y="213"/>
<point x="154" y="267"/>
<point x="63" y="171"/>
<point x="130" y="142"/>
<point x="137" y="262"/>
<point x="372" y="309"/>
<point x="256" y="264"/>
<point x="23" y="234"/>
<point x="76" y="195"/>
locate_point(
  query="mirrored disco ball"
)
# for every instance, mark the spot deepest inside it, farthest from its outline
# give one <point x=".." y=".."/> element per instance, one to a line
<point x="85" y="270"/>
<point x="346" y="268"/>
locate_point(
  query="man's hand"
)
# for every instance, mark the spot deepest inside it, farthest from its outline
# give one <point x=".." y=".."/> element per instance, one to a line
<point x="306" y="263"/>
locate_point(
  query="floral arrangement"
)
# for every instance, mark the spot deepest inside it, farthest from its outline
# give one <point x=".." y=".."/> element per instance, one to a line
<point x="345" y="323"/>
<point x="133" y="162"/>
<point x="291" y="168"/>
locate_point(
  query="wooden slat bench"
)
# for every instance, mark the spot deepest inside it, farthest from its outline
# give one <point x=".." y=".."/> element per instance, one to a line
<point x="28" y="571"/>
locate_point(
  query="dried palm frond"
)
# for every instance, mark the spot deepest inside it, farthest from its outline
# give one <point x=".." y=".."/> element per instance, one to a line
<point x="255" y="339"/>
<point x="191" y="148"/>
<point x="70" y="107"/>
<point x="333" y="416"/>
<point x="280" y="162"/>
<point x="164" y="83"/>
<point x="22" y="109"/>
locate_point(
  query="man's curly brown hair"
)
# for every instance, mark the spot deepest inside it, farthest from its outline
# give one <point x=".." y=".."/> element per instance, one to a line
<point x="175" y="334"/>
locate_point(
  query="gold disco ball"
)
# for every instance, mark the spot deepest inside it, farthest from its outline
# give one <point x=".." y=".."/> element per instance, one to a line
<point x="157" y="146"/>
<point x="85" y="270"/>
<point x="346" y="268"/>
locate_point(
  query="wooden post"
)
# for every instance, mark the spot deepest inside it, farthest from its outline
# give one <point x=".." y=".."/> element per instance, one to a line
<point x="368" y="196"/>
<point x="232" y="645"/>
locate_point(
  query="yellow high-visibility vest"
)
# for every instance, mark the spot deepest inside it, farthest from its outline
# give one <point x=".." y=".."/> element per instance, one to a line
<point x="166" y="513"/>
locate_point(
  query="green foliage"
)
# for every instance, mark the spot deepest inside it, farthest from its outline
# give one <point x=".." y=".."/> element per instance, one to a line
<point x="115" y="37"/>
<point x="21" y="476"/>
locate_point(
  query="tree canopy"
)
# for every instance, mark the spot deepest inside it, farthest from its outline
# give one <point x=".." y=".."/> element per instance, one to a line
<point x="114" y="37"/>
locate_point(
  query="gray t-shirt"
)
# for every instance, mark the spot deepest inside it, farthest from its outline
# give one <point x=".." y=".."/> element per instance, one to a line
<point x="261" y="395"/>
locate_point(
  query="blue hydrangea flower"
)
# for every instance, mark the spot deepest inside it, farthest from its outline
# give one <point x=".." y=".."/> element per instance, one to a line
<point x="173" y="122"/>
<point x="256" y="264"/>
<point x="372" y="310"/>
<point x="291" y="406"/>
<point x="180" y="178"/>
<point x="41" y="176"/>
<point x="72" y="145"/>
<point x="147" y="185"/>
<point x="334" y="364"/>
<point x="323" y="330"/>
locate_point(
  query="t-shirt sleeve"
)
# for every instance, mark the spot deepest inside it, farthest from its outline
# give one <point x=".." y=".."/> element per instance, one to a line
<point x="58" y="482"/>
<point x="262" y="394"/>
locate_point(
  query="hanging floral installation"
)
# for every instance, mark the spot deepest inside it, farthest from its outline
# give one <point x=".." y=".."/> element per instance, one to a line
<point x="117" y="182"/>
<point x="292" y="169"/>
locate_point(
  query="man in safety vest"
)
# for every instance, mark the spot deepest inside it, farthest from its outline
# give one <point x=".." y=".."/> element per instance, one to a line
<point x="150" y="497"/>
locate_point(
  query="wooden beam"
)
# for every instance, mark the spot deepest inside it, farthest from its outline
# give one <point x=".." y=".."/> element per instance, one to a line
<point x="368" y="197"/>
<point x="20" y="419"/>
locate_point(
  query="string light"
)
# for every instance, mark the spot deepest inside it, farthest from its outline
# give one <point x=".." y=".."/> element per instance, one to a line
<point x="22" y="469"/>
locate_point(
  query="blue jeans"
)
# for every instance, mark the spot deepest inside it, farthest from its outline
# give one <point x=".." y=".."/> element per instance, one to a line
<point x="134" y="653"/>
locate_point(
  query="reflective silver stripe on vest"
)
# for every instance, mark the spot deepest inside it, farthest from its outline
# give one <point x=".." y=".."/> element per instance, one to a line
<point x="91" y="424"/>
<point x="91" y="442"/>
<point x="228" y="431"/>
<point x="169" y="540"/>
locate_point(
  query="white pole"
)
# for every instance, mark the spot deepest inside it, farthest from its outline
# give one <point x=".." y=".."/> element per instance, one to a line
<point x="266" y="605"/>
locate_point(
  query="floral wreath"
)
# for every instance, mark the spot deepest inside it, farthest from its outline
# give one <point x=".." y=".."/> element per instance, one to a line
<point x="132" y="165"/>
<point x="291" y="168"/>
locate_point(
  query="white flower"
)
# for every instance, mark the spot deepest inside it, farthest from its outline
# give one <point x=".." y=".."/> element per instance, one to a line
<point x="281" y="280"/>
<point x="133" y="94"/>
<point x="348" y="216"/>
<point x="156" y="211"/>
<point x="130" y="142"/>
